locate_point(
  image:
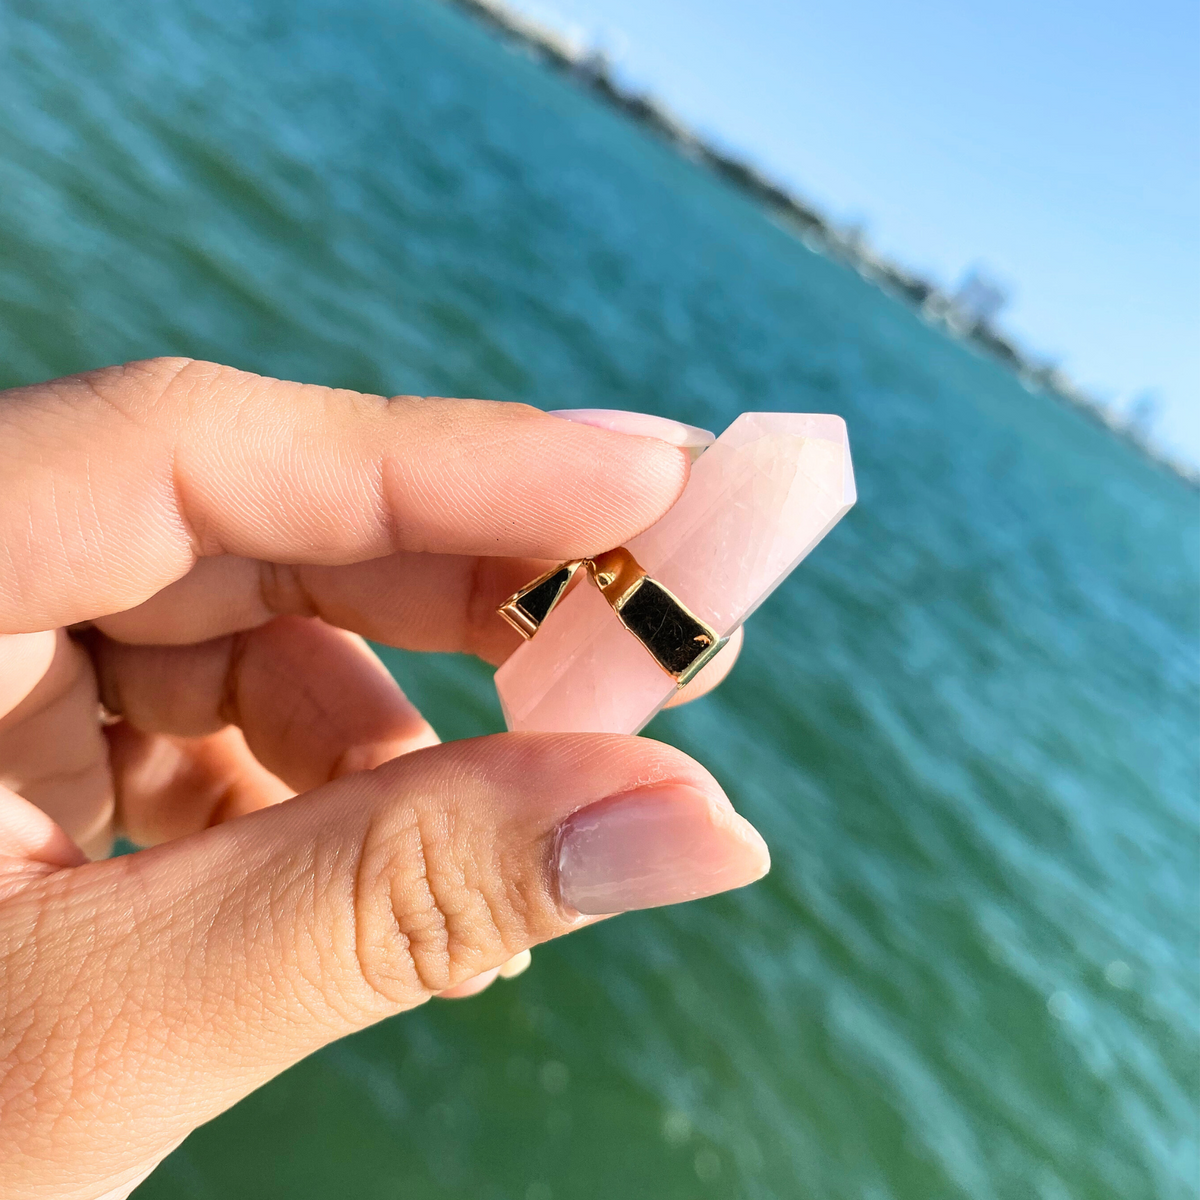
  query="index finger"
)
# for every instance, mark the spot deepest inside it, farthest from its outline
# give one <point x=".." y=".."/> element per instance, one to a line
<point x="117" y="481"/>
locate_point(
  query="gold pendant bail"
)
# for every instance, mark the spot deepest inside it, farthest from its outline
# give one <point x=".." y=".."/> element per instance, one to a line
<point x="527" y="609"/>
<point x="678" y="640"/>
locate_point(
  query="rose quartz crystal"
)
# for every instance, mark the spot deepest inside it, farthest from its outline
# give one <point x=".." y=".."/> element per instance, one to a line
<point x="758" y="500"/>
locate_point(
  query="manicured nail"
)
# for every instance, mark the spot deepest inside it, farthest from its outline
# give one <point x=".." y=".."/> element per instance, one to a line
<point x="691" y="438"/>
<point x="657" y="845"/>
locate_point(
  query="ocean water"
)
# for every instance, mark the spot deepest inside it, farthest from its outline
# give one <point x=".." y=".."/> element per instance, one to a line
<point x="966" y="726"/>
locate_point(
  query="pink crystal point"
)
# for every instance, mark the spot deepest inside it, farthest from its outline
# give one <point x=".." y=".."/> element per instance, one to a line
<point x="758" y="500"/>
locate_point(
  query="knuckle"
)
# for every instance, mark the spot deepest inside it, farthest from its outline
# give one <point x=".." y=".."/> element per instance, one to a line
<point x="156" y="373"/>
<point x="431" y="909"/>
<point x="136" y="390"/>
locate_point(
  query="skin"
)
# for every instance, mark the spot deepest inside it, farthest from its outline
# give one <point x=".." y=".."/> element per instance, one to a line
<point x="202" y="552"/>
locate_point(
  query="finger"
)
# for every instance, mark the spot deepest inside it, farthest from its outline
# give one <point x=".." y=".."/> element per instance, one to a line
<point x="117" y="481"/>
<point x="30" y="842"/>
<point x="471" y="987"/>
<point x="52" y="750"/>
<point x="713" y="673"/>
<point x="517" y="965"/>
<point x="24" y="660"/>
<point x="437" y="602"/>
<point x="313" y="702"/>
<point x="207" y="965"/>
<point x="168" y="787"/>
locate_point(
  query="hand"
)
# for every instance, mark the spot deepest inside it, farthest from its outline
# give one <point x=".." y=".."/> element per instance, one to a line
<point x="202" y="551"/>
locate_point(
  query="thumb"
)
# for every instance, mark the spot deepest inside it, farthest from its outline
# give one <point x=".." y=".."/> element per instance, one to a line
<point x="147" y="993"/>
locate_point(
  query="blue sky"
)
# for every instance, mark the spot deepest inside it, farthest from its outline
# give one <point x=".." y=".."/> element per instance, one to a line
<point x="1056" y="144"/>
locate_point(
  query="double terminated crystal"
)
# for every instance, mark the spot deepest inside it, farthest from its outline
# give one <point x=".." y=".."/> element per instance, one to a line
<point x="758" y="500"/>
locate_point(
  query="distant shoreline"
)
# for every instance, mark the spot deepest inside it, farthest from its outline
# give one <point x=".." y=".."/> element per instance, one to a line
<point x="936" y="307"/>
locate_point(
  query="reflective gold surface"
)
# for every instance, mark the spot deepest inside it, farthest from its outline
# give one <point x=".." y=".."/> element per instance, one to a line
<point x="527" y="609"/>
<point x="678" y="640"/>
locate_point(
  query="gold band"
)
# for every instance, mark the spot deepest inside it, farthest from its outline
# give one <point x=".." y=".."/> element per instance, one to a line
<point x="675" y="637"/>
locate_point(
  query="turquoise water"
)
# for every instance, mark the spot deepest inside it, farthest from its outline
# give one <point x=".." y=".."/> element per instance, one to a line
<point x="966" y="726"/>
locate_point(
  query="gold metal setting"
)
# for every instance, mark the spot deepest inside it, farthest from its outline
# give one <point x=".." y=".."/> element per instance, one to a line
<point x="678" y="640"/>
<point x="527" y="609"/>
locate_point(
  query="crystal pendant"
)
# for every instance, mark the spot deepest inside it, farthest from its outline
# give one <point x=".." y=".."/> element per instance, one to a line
<point x="758" y="500"/>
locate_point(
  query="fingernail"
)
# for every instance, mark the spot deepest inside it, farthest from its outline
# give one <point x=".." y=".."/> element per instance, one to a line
<point x="517" y="965"/>
<point x="659" y="845"/>
<point x="691" y="438"/>
<point x="469" y="987"/>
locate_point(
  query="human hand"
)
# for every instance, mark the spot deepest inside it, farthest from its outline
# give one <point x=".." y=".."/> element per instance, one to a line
<point x="149" y="508"/>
